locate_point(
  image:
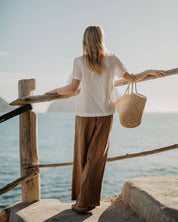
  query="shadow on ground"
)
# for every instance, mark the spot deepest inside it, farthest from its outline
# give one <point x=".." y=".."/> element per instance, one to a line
<point x="69" y="216"/>
<point x="110" y="210"/>
<point x="119" y="212"/>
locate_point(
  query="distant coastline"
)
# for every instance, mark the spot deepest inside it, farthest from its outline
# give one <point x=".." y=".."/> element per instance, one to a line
<point x="68" y="105"/>
<point x="4" y="106"/>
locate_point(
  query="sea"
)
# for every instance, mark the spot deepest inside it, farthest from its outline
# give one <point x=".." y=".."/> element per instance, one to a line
<point x="55" y="145"/>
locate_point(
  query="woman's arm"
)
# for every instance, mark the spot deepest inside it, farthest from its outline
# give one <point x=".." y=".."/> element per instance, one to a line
<point x="142" y="75"/>
<point x="69" y="89"/>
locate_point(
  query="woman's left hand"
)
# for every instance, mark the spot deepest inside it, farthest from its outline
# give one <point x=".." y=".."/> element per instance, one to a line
<point x="158" y="73"/>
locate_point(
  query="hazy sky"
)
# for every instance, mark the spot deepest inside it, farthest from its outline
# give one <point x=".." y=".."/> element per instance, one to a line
<point x="40" y="39"/>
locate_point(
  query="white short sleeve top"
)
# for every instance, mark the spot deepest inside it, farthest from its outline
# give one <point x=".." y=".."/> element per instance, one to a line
<point x="97" y="97"/>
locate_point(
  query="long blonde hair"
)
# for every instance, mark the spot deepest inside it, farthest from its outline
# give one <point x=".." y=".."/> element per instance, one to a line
<point x="94" y="49"/>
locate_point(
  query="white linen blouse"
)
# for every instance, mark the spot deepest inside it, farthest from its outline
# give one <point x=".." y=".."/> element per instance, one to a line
<point x="97" y="97"/>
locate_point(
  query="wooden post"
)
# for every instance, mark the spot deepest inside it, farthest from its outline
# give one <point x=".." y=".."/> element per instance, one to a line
<point x="28" y="144"/>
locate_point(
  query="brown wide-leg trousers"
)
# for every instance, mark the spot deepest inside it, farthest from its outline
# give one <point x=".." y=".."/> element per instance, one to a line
<point x="91" y="144"/>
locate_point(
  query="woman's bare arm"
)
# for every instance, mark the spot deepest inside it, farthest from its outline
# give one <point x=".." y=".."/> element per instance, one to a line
<point x="142" y="75"/>
<point x="69" y="89"/>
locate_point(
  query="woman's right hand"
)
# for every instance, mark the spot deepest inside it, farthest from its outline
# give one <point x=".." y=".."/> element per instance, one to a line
<point x="158" y="73"/>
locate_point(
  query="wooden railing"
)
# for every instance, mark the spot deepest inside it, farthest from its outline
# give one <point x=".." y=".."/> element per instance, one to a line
<point x="29" y="163"/>
<point x="45" y="98"/>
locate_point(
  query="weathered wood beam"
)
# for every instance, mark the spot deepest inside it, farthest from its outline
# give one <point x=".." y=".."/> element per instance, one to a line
<point x="41" y="98"/>
<point x="127" y="156"/>
<point x="20" y="180"/>
<point x="145" y="153"/>
<point x="28" y="144"/>
<point x="168" y="72"/>
<point x="35" y="172"/>
<point x="46" y="98"/>
<point x="48" y="165"/>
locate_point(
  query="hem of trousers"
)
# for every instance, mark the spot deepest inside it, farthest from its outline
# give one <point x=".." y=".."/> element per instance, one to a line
<point x="86" y="204"/>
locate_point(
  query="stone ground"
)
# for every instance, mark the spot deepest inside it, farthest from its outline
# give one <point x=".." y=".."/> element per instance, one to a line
<point x="111" y="209"/>
<point x="151" y="199"/>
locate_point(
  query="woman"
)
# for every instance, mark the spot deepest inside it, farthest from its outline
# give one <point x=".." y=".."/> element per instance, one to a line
<point x="94" y="115"/>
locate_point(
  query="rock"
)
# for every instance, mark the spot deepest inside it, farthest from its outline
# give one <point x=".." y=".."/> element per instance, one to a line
<point x="154" y="199"/>
<point x="54" y="210"/>
<point x="5" y="107"/>
<point x="67" y="105"/>
<point x="147" y="199"/>
<point x="63" y="105"/>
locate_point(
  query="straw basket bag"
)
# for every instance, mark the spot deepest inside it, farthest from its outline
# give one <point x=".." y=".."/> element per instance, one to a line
<point x="130" y="107"/>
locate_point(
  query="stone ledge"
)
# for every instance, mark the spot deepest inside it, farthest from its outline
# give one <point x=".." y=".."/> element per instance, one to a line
<point x="147" y="199"/>
<point x="153" y="198"/>
<point x="111" y="209"/>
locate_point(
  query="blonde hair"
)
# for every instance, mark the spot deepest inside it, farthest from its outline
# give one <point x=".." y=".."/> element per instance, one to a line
<point x="94" y="48"/>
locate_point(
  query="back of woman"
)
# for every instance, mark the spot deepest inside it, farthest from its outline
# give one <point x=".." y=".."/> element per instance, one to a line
<point x="96" y="70"/>
<point x="94" y="117"/>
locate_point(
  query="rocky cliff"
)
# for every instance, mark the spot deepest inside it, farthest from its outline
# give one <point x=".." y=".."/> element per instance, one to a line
<point x="67" y="105"/>
<point x="4" y="106"/>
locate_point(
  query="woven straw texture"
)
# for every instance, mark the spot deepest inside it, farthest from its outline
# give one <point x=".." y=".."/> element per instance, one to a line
<point x="130" y="107"/>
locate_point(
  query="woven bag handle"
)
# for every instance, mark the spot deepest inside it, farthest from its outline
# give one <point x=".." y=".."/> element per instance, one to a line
<point x="127" y="90"/>
<point x="134" y="81"/>
<point x="128" y="87"/>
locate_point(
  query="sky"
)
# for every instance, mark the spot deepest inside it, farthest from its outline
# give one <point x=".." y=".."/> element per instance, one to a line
<point x="40" y="39"/>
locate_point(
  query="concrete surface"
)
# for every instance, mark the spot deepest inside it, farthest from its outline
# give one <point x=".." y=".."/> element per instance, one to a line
<point x="111" y="209"/>
<point x="154" y="199"/>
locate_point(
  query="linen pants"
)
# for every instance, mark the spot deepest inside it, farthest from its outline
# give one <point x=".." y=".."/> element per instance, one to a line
<point x="91" y="144"/>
